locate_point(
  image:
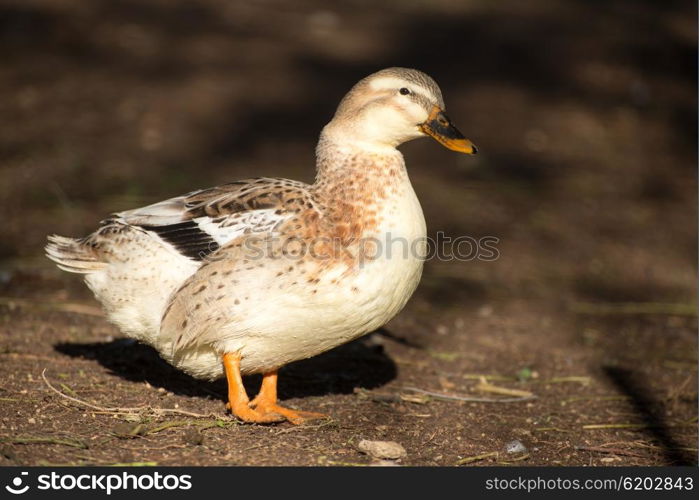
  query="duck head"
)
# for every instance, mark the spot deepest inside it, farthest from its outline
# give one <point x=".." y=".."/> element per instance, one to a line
<point x="393" y="106"/>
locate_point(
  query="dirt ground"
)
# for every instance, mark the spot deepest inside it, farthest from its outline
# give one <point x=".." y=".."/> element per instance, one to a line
<point x="585" y="116"/>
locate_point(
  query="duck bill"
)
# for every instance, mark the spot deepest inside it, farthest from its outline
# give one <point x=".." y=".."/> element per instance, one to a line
<point x="440" y="128"/>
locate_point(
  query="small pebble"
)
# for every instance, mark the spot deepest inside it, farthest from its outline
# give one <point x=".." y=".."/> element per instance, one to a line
<point x="192" y="437"/>
<point x="383" y="463"/>
<point x="382" y="449"/>
<point x="485" y="311"/>
<point x="515" y="446"/>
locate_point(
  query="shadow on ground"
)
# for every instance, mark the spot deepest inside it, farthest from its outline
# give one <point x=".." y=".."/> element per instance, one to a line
<point x="361" y="363"/>
<point x="631" y="383"/>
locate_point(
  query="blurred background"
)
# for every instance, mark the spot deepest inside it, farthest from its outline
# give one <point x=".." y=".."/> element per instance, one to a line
<point x="584" y="112"/>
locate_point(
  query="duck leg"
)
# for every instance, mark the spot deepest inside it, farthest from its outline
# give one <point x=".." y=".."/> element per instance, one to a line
<point x="266" y="402"/>
<point x="238" y="401"/>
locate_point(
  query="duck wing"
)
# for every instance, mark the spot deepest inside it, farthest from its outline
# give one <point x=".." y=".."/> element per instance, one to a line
<point x="199" y="223"/>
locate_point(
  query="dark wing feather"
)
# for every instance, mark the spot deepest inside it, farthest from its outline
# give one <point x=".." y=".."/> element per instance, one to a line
<point x="188" y="238"/>
<point x="200" y="222"/>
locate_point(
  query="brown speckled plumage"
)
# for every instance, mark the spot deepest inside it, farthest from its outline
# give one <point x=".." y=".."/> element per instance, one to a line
<point x="273" y="270"/>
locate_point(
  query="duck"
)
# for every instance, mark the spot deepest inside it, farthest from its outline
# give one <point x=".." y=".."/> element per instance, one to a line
<point x="247" y="277"/>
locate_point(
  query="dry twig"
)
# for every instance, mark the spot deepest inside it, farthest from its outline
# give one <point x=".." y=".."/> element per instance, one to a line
<point x="633" y="308"/>
<point x="129" y="411"/>
<point x="477" y="458"/>
<point x="632" y="426"/>
<point x="454" y="397"/>
<point x="69" y="307"/>
<point x="73" y="443"/>
<point x="485" y="386"/>
<point x="611" y="451"/>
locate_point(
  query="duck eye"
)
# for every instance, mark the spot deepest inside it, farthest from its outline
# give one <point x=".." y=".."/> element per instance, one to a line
<point x="404" y="91"/>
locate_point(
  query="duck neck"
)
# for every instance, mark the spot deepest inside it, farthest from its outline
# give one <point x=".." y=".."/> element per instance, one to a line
<point x="357" y="172"/>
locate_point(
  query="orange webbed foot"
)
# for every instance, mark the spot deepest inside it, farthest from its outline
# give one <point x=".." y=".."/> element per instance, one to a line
<point x="296" y="417"/>
<point x="266" y="403"/>
<point x="251" y="415"/>
<point x="264" y="408"/>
